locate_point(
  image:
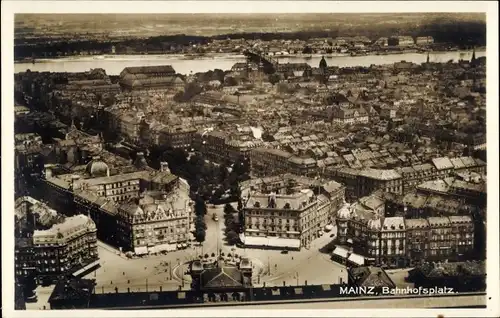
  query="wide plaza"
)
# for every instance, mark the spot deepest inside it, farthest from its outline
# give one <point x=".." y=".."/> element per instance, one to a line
<point x="168" y="271"/>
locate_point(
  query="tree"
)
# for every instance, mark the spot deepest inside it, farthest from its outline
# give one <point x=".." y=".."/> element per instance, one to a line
<point x="232" y="237"/>
<point x="230" y="81"/>
<point x="228" y="209"/>
<point x="230" y="226"/>
<point x="218" y="75"/>
<point x="200" y="206"/>
<point x="307" y="50"/>
<point x="200" y="236"/>
<point x="200" y="223"/>
<point x="241" y="218"/>
<point x="274" y="78"/>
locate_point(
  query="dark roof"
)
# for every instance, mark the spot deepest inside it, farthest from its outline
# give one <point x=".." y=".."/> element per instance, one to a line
<point x="338" y="98"/>
<point x="371" y="276"/>
<point x="72" y="289"/>
<point x="148" y="69"/>
<point x="221" y="277"/>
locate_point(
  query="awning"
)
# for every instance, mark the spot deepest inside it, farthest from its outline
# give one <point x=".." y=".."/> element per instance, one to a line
<point x="162" y="248"/>
<point x="256" y="240"/>
<point x="283" y="242"/>
<point x="141" y="250"/>
<point x="340" y="251"/>
<point x="271" y="242"/>
<point x="357" y="259"/>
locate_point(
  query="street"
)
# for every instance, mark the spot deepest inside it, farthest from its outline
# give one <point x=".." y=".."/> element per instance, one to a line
<point x="166" y="271"/>
<point x="274" y="267"/>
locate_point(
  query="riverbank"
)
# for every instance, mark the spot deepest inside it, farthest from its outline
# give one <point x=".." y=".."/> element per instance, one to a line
<point x="203" y="56"/>
<point x="114" y="64"/>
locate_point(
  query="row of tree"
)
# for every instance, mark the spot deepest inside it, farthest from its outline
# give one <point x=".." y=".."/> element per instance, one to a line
<point x="200" y="209"/>
<point x="212" y="182"/>
<point x="232" y="227"/>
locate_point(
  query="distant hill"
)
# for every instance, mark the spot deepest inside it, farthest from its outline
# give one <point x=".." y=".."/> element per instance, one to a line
<point x="148" y="25"/>
<point x="47" y="35"/>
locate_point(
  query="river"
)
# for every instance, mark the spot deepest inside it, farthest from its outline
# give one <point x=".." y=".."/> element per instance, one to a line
<point x="114" y="64"/>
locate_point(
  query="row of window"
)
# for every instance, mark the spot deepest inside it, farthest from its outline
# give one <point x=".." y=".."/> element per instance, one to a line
<point x="272" y="227"/>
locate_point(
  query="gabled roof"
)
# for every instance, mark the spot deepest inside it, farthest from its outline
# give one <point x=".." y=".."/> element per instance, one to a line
<point x="222" y="277"/>
<point x="371" y="276"/>
<point x="73" y="289"/>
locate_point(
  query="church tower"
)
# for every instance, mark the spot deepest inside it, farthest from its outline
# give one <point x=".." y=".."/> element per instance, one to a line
<point x="322" y="63"/>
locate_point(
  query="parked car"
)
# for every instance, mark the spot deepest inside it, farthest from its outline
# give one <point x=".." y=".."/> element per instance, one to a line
<point x="215" y="217"/>
<point x="284" y="252"/>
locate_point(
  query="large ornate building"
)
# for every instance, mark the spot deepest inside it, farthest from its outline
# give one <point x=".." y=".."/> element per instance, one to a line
<point x="65" y="247"/>
<point x="399" y="242"/>
<point x="150" y="78"/>
<point x="144" y="211"/>
<point x="48" y="245"/>
<point x="156" y="222"/>
<point x="288" y="211"/>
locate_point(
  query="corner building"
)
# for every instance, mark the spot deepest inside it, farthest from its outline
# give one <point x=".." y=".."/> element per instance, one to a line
<point x="288" y="212"/>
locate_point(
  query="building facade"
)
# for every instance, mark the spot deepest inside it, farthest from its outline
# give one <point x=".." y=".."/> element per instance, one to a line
<point x="157" y="223"/>
<point x="399" y="242"/>
<point x="63" y="249"/>
<point x="287" y="212"/>
<point x="141" y="209"/>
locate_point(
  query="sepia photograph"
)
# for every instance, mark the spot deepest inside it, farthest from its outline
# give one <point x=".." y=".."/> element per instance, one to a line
<point x="249" y="158"/>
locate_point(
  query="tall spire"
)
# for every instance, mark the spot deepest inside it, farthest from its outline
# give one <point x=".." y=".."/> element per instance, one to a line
<point x="322" y="63"/>
<point x="428" y="58"/>
<point x="473" y="54"/>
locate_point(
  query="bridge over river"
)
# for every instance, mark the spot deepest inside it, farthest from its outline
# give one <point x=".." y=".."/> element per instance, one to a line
<point x="268" y="63"/>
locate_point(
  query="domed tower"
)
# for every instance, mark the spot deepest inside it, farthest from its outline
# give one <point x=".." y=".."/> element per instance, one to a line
<point x="343" y="216"/>
<point x="97" y="168"/>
